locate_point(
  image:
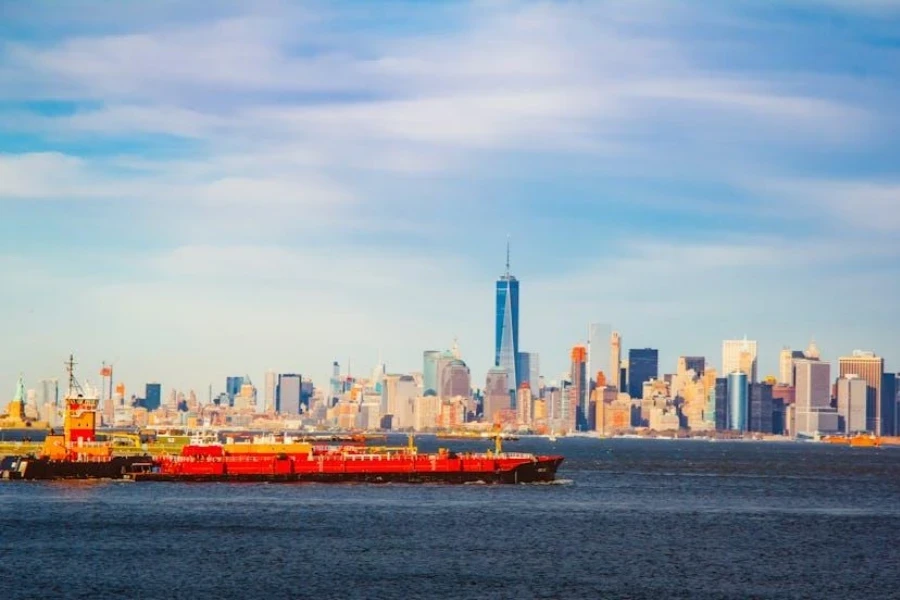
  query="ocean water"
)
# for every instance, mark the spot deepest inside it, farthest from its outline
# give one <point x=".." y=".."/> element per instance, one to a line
<point x="629" y="519"/>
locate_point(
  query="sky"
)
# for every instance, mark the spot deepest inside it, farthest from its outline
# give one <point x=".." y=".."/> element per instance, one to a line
<point x="196" y="190"/>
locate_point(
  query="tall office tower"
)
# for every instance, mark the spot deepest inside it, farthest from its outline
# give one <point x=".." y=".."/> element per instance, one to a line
<point x="598" y="357"/>
<point x="454" y="380"/>
<point x="737" y="401"/>
<point x="739" y="355"/>
<point x="695" y="363"/>
<point x="812" y="390"/>
<point x="271" y="386"/>
<point x="398" y="400"/>
<point x="534" y="373"/>
<point x="335" y="381"/>
<point x="48" y="400"/>
<point x="643" y="365"/>
<point x="523" y="369"/>
<point x="721" y="408"/>
<point x="889" y="404"/>
<point x="614" y="377"/>
<point x="868" y="366"/>
<point x="578" y="376"/>
<point x="786" y="367"/>
<point x="506" y="338"/>
<point x="287" y="398"/>
<point x="524" y="405"/>
<point x="430" y="360"/>
<point x="152" y="396"/>
<point x="233" y="387"/>
<point x="759" y="413"/>
<point x="851" y="403"/>
<point x="496" y="394"/>
<point x="623" y="376"/>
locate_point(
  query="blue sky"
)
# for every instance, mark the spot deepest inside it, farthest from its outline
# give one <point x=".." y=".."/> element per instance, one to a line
<point x="219" y="188"/>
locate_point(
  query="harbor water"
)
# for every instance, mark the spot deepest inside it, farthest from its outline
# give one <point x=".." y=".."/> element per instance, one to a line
<point x="628" y="519"/>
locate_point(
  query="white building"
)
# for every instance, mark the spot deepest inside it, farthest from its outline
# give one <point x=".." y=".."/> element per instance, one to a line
<point x="739" y="355"/>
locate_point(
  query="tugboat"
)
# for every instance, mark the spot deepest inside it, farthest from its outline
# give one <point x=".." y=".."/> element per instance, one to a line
<point x="76" y="453"/>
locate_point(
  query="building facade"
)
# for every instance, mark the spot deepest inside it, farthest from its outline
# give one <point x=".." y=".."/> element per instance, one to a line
<point x="869" y="367"/>
<point x="851" y="403"/>
<point x="738" y="389"/>
<point x="643" y="365"/>
<point x="287" y="394"/>
<point x="739" y="355"/>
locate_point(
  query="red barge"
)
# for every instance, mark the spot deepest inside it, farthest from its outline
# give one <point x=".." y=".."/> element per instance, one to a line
<point x="348" y="464"/>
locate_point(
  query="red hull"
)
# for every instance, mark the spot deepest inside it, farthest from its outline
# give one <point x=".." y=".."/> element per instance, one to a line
<point x="406" y="468"/>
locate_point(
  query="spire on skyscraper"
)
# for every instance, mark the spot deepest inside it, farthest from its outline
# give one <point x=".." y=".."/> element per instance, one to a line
<point x="507" y="255"/>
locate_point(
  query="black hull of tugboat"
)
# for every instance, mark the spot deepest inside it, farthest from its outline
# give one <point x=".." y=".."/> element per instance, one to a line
<point x="27" y="468"/>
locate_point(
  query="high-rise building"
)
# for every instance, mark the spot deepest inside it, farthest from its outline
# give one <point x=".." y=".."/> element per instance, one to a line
<point x="271" y="387"/>
<point x="739" y="355"/>
<point x="287" y="397"/>
<point x="851" y="403"/>
<point x="430" y="360"/>
<point x="598" y="358"/>
<point x="643" y="365"/>
<point x="759" y="414"/>
<point x="720" y="394"/>
<point x="737" y="401"/>
<point x="615" y="361"/>
<point x="888" y="402"/>
<point x="868" y="366"/>
<point x="786" y="367"/>
<point x="695" y="363"/>
<point x="578" y="377"/>
<point x="233" y="388"/>
<point x="454" y="379"/>
<point x="398" y="400"/>
<point x="506" y="338"/>
<point x="523" y="369"/>
<point x="496" y="394"/>
<point x="812" y="391"/>
<point x="152" y="396"/>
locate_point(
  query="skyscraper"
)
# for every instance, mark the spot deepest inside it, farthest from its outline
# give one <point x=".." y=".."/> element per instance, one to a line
<point x="759" y="409"/>
<point x="496" y="394"/>
<point x="687" y="363"/>
<point x="615" y="361"/>
<point x="233" y="387"/>
<point x="528" y="370"/>
<point x="643" y="365"/>
<point x="786" y="367"/>
<point x="506" y="338"/>
<point x="152" y="396"/>
<point x="271" y="388"/>
<point x="868" y="366"/>
<point x="578" y="376"/>
<point x="812" y="388"/>
<point x="287" y="399"/>
<point x="430" y="360"/>
<point x="739" y="355"/>
<point x="598" y="349"/>
<point x="851" y="403"/>
<point x="737" y="401"/>
<point x="888" y="401"/>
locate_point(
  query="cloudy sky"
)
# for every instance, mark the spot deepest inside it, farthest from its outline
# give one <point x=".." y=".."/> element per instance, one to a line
<point x="192" y="190"/>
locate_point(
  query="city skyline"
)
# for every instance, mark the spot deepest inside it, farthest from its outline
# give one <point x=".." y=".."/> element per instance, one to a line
<point x="337" y="183"/>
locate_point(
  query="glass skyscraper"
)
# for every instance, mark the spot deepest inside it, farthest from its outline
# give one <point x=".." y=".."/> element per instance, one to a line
<point x="643" y="365"/>
<point x="152" y="396"/>
<point x="506" y="339"/>
<point x="737" y="401"/>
